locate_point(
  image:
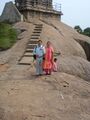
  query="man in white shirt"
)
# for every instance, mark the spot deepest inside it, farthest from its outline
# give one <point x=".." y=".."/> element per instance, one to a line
<point x="38" y="53"/>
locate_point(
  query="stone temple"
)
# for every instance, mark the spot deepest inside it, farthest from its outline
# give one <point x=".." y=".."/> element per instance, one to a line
<point x="37" y="9"/>
<point x="27" y="10"/>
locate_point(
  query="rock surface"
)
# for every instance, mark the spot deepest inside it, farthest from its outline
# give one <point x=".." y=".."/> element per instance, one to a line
<point x="75" y="66"/>
<point x="65" y="95"/>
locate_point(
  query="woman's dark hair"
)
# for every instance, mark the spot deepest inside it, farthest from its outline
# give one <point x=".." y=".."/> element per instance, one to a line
<point x="55" y="59"/>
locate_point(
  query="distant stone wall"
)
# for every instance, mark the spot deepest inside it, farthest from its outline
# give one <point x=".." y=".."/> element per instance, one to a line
<point x="40" y="14"/>
<point x="11" y="14"/>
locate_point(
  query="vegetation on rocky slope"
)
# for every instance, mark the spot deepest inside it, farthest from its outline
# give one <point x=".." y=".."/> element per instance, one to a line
<point x="8" y="36"/>
<point x="86" y="31"/>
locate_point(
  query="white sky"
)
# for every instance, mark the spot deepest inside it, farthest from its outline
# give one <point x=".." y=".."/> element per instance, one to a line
<point x="76" y="12"/>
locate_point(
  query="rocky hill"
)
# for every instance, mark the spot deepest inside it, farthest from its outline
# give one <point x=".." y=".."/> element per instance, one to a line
<point x="64" y="95"/>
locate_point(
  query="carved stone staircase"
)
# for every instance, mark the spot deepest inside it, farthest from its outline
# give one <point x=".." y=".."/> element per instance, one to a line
<point x="26" y="58"/>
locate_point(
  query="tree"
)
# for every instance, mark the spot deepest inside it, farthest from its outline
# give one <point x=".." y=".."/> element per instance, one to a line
<point x="87" y="31"/>
<point x="78" y="29"/>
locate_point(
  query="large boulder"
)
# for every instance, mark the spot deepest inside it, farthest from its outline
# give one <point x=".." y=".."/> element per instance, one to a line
<point x="76" y="66"/>
<point x="11" y="14"/>
<point x="73" y="59"/>
<point x="65" y="95"/>
<point x="62" y="39"/>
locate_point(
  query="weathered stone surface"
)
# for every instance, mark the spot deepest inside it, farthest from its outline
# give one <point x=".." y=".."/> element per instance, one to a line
<point x="76" y="66"/>
<point x="57" y="97"/>
<point x="85" y="44"/>
<point x="65" y="95"/>
<point x="11" y="13"/>
<point x="62" y="39"/>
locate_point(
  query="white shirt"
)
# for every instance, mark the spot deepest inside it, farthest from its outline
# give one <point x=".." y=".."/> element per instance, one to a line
<point x="39" y="50"/>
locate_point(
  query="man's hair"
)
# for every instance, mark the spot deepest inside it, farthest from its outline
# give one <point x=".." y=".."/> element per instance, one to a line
<point x="39" y="40"/>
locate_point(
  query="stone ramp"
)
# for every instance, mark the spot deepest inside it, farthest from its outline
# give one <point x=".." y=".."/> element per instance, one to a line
<point x="27" y="57"/>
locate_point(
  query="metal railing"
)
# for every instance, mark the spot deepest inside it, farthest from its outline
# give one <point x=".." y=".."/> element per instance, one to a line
<point x="57" y="7"/>
<point x="52" y="6"/>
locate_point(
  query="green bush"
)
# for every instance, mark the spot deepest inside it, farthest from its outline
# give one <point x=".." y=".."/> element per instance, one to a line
<point x="86" y="31"/>
<point x="8" y="36"/>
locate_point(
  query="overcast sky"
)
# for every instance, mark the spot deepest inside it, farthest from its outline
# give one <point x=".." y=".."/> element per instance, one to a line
<point x="76" y="12"/>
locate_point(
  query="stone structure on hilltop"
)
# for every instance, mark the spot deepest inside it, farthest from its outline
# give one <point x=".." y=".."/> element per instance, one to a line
<point x="28" y="3"/>
<point x="38" y="9"/>
<point x="27" y="10"/>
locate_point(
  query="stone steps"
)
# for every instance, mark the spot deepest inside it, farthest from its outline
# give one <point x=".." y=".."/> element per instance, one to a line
<point x="38" y="29"/>
<point x="26" y="61"/>
<point x="35" y="37"/>
<point x="35" y="34"/>
<point x="29" y="50"/>
<point x="27" y="57"/>
<point x="32" y="42"/>
<point x="28" y="54"/>
<point x="31" y="46"/>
